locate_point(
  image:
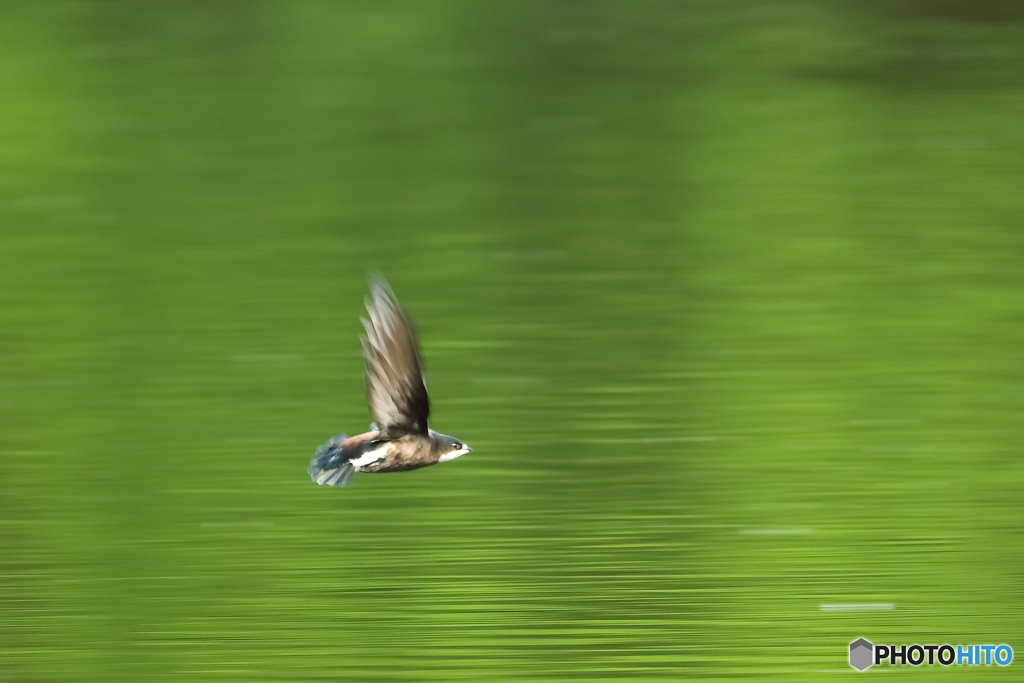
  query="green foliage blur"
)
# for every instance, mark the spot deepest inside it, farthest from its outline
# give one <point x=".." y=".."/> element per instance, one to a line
<point x="727" y="297"/>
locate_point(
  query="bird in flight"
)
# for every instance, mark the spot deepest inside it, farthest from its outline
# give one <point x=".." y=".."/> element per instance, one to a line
<point x="399" y="439"/>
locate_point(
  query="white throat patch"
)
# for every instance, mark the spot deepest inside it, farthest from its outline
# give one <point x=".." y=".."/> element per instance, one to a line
<point x="453" y="454"/>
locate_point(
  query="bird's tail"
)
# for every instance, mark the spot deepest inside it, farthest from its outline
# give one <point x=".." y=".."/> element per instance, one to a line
<point x="329" y="466"/>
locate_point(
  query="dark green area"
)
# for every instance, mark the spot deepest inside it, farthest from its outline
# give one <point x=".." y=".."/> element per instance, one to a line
<point x="728" y="297"/>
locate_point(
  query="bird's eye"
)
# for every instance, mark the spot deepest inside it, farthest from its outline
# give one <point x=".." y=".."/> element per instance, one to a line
<point x="456" y="446"/>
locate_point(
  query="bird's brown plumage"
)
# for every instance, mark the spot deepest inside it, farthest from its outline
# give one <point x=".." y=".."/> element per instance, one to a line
<point x="394" y="370"/>
<point x="398" y="400"/>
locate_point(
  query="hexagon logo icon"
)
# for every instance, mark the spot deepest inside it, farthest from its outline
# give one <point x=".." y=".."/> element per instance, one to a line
<point x="861" y="652"/>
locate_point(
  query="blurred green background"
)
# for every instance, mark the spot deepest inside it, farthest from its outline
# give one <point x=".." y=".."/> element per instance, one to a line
<point x="728" y="298"/>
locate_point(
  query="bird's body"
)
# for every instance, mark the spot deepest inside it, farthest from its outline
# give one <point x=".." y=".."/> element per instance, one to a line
<point x="400" y="439"/>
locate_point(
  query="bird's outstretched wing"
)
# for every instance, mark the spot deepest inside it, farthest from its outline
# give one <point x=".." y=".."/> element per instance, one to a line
<point x="394" y="370"/>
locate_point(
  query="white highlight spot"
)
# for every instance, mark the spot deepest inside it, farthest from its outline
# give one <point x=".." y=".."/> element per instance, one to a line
<point x="858" y="607"/>
<point x="369" y="457"/>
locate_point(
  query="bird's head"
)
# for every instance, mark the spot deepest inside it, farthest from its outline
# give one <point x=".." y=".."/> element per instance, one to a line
<point x="449" y="447"/>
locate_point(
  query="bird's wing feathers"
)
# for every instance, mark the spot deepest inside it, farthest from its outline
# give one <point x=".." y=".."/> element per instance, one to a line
<point x="394" y="370"/>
